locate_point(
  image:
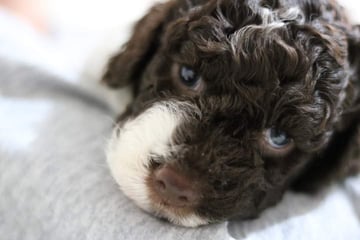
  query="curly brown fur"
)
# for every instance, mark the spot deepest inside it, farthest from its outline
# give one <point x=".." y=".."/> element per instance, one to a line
<point x="293" y="64"/>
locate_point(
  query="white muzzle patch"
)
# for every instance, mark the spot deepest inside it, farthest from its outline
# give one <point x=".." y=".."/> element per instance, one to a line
<point x="133" y="144"/>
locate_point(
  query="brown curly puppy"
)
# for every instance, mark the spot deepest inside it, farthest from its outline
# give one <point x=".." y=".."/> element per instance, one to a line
<point x="235" y="101"/>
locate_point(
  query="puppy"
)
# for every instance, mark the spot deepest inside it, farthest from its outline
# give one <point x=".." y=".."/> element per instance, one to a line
<point x="235" y="102"/>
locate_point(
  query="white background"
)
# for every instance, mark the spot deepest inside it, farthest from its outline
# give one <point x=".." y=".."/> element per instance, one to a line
<point x="96" y="14"/>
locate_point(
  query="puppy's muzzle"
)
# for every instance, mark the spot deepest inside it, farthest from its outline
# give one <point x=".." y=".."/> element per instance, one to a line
<point x="173" y="188"/>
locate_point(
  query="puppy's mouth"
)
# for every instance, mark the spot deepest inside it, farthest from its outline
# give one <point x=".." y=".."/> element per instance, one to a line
<point x="162" y="190"/>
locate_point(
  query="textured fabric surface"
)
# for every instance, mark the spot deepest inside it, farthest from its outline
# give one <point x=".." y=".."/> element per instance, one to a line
<point x="54" y="182"/>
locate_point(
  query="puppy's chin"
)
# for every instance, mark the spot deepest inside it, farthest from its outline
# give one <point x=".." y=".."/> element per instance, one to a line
<point x="129" y="154"/>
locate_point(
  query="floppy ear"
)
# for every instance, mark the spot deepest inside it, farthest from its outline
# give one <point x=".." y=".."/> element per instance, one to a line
<point x="352" y="112"/>
<point x="127" y="66"/>
<point x="341" y="158"/>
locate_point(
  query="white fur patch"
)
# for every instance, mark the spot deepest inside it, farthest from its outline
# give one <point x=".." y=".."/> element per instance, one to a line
<point x="276" y="18"/>
<point x="131" y="147"/>
<point x="271" y="20"/>
<point x="191" y="220"/>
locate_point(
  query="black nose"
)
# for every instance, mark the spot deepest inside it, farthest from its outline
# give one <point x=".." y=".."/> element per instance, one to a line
<point x="174" y="188"/>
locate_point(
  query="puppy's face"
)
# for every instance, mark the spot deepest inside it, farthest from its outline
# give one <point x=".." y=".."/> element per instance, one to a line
<point x="232" y="100"/>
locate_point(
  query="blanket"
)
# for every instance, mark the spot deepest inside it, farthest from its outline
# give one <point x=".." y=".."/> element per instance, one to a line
<point x="54" y="182"/>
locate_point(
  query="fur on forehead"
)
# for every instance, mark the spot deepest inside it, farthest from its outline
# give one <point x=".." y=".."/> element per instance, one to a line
<point x="240" y="45"/>
<point x="262" y="43"/>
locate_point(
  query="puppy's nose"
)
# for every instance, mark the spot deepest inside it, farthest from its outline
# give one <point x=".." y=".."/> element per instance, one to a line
<point x="175" y="188"/>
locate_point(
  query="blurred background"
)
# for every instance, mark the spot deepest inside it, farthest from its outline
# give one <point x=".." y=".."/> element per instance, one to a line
<point x="61" y="35"/>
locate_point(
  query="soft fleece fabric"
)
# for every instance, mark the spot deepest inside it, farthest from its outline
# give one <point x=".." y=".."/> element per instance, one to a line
<point x="54" y="182"/>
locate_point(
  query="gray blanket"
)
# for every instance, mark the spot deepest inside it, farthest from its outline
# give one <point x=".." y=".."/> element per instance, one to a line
<point x="54" y="182"/>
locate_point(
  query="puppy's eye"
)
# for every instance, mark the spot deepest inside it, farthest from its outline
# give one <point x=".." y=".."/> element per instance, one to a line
<point x="189" y="77"/>
<point x="276" y="142"/>
<point x="277" y="138"/>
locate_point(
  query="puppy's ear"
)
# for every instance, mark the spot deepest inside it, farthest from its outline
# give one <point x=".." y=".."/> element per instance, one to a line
<point x="341" y="158"/>
<point x="354" y="48"/>
<point x="126" y="67"/>
<point x="352" y="112"/>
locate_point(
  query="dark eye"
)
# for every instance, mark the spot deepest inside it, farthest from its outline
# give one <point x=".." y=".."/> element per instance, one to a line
<point x="277" y="138"/>
<point x="189" y="77"/>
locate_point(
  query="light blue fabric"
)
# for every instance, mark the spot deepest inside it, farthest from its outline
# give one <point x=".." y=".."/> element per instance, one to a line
<point x="54" y="182"/>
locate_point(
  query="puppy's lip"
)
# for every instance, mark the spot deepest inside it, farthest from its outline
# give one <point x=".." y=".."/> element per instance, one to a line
<point x="162" y="205"/>
<point x="164" y="202"/>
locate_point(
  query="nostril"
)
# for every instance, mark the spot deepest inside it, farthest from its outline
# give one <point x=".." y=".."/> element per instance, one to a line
<point x="183" y="199"/>
<point x="161" y="185"/>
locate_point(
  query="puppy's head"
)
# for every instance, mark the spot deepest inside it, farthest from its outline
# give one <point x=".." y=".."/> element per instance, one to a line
<point x="232" y="100"/>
